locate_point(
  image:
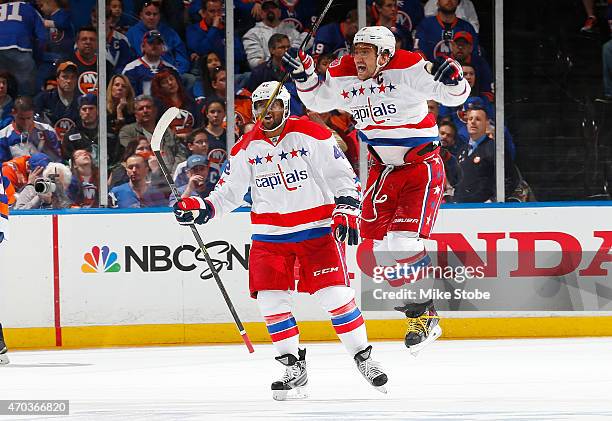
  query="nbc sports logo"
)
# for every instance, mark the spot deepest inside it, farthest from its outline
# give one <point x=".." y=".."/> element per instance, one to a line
<point x="100" y="260"/>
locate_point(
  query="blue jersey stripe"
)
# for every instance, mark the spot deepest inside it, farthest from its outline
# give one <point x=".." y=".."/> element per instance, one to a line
<point x="293" y="237"/>
<point x="280" y="326"/>
<point x="410" y="142"/>
<point x="346" y="318"/>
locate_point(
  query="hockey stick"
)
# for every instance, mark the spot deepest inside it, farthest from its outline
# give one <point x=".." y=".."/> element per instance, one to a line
<point x="158" y="134"/>
<point x="315" y="28"/>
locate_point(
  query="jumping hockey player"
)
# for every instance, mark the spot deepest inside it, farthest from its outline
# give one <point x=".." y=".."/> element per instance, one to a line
<point x="7" y="197"/>
<point x="386" y="91"/>
<point x="301" y="183"/>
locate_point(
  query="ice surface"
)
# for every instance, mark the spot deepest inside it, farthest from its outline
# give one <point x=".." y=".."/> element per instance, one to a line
<point x="538" y="379"/>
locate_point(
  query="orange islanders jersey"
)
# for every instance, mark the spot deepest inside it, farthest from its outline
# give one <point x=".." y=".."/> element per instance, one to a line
<point x="293" y="179"/>
<point x="390" y="110"/>
<point x="7" y="197"/>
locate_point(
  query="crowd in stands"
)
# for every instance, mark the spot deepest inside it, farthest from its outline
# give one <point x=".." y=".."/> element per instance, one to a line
<point x="171" y="53"/>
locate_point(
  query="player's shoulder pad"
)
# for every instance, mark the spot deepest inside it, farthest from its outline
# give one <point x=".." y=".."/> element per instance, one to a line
<point x="245" y="140"/>
<point x="343" y="66"/>
<point x="307" y="127"/>
<point x="403" y="60"/>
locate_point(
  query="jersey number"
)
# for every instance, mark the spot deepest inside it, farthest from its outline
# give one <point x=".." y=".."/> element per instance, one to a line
<point x="14" y="12"/>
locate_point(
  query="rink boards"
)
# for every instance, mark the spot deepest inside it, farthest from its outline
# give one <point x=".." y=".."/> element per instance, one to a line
<point x="101" y="278"/>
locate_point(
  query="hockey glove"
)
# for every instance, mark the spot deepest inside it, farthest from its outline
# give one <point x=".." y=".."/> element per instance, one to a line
<point x="299" y="64"/>
<point x="344" y="220"/>
<point x="447" y="71"/>
<point x="192" y="210"/>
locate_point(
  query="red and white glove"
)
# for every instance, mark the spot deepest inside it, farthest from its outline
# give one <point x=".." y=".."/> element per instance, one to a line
<point x="192" y="210"/>
<point x="344" y="220"/>
<point x="299" y="64"/>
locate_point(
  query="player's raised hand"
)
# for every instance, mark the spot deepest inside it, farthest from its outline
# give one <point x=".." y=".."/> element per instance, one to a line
<point x="447" y="71"/>
<point x="192" y="210"/>
<point x="299" y="64"/>
<point x="344" y="220"/>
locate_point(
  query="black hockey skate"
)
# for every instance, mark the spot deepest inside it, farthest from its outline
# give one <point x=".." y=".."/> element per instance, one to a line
<point x="423" y="327"/>
<point x="295" y="378"/>
<point x="371" y="370"/>
<point x="3" y="353"/>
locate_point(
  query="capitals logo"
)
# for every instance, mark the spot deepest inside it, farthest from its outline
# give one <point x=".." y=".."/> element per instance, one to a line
<point x="376" y="113"/>
<point x="288" y="180"/>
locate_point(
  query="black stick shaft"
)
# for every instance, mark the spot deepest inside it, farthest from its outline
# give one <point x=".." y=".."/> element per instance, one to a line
<point x="196" y="234"/>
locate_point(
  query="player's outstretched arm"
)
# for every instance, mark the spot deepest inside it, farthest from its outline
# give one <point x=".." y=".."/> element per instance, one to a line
<point x="441" y="81"/>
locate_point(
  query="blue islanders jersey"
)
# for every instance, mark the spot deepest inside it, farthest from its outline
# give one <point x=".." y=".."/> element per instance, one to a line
<point x="433" y="37"/>
<point x="329" y="39"/>
<point x="20" y="25"/>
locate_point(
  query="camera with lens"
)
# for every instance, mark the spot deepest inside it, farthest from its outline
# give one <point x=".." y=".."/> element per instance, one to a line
<point x="45" y="185"/>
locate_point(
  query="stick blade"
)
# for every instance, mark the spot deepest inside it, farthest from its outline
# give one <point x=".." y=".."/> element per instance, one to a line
<point x="161" y="127"/>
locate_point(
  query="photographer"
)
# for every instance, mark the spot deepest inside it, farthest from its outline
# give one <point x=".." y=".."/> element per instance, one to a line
<point x="46" y="191"/>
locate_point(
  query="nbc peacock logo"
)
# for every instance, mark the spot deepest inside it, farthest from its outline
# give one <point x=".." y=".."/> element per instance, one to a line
<point x="100" y="259"/>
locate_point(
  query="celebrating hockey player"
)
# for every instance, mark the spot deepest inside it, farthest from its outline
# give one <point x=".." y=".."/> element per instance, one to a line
<point x="301" y="183"/>
<point x="386" y="90"/>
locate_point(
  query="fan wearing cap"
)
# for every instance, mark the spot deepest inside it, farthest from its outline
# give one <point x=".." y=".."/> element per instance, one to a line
<point x="25" y="169"/>
<point x="174" y="52"/>
<point x="141" y="71"/>
<point x="386" y="91"/>
<point x="85" y="134"/>
<point x="463" y="51"/>
<point x="199" y="183"/>
<point x="434" y="35"/>
<point x="59" y="106"/>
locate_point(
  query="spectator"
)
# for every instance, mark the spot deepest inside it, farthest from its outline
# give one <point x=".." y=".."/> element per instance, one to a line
<point x="119" y="107"/>
<point x="59" y="106"/>
<point x="6" y="102"/>
<point x="219" y="83"/>
<point x="387" y="16"/>
<point x="434" y="35"/>
<point x="477" y="162"/>
<point x="463" y="52"/>
<point x="167" y="89"/>
<point x="85" y="134"/>
<point x="197" y="144"/>
<point x="24" y="136"/>
<point x="323" y="62"/>
<point x="208" y="35"/>
<point x="141" y="71"/>
<point x="19" y="34"/>
<point x="60" y="36"/>
<point x="146" y="115"/>
<point x="55" y="174"/>
<point x="137" y="193"/>
<point x="256" y="39"/>
<point x="85" y="183"/>
<point x="175" y="52"/>
<point x="24" y="169"/>
<point x="199" y="183"/>
<point x="336" y="38"/>
<point x="607" y="72"/>
<point x="215" y="117"/>
<point x="118" y="50"/>
<point x="465" y="11"/>
<point x="140" y="146"/>
<point x="272" y="69"/>
<point x="208" y="63"/>
<point x="119" y="21"/>
<point x="86" y="60"/>
<point x="448" y="137"/>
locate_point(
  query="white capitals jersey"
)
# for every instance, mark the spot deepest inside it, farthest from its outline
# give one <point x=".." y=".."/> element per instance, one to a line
<point x="293" y="181"/>
<point x="390" y="110"/>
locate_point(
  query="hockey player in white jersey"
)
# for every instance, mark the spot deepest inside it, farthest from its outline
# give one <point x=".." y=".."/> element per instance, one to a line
<point x="303" y="190"/>
<point x="386" y="90"/>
